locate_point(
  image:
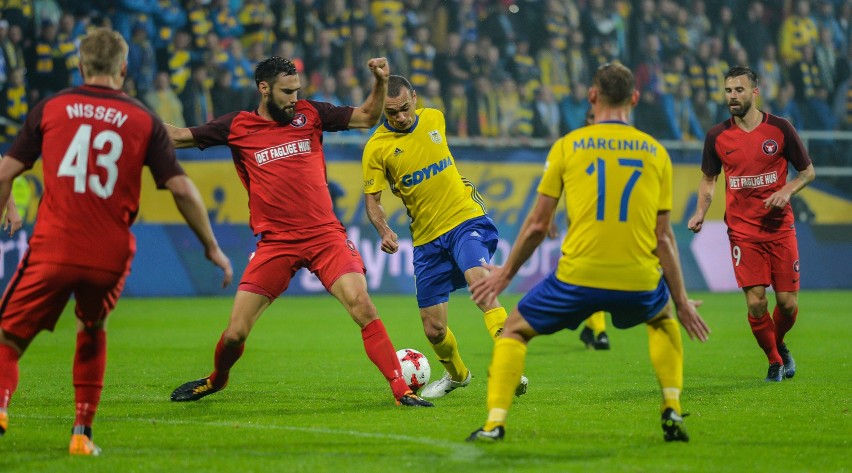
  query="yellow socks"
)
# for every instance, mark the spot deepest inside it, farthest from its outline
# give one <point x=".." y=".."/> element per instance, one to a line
<point x="507" y="364"/>
<point x="495" y="319"/>
<point x="666" y="349"/>
<point x="448" y="354"/>
<point x="597" y="322"/>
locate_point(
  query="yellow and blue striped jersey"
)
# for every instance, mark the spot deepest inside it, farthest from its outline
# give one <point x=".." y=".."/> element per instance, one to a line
<point x="616" y="178"/>
<point x="418" y="166"/>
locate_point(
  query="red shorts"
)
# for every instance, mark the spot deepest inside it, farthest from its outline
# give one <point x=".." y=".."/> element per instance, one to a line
<point x="38" y="293"/>
<point x="328" y="254"/>
<point x="765" y="263"/>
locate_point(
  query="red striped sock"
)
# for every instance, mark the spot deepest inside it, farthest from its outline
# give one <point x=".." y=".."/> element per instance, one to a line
<point x="224" y="359"/>
<point x="764" y="332"/>
<point x="89" y="367"/>
<point x="8" y="374"/>
<point x="380" y="351"/>
<point x="783" y="323"/>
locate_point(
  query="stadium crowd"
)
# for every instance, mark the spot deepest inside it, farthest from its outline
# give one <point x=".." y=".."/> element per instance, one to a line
<point x="497" y="68"/>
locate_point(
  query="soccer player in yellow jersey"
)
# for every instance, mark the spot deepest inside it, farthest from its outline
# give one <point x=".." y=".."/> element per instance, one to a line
<point x="452" y="235"/>
<point x="619" y="254"/>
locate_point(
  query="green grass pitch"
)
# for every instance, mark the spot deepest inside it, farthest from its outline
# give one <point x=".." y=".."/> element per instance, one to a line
<point x="304" y="397"/>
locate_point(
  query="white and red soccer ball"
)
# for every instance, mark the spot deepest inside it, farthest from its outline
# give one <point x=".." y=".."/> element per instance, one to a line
<point x="415" y="368"/>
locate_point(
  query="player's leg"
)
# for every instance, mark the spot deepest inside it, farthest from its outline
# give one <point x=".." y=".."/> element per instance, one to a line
<point x="665" y="348"/>
<point x="443" y="342"/>
<point x="33" y="301"/>
<point x="96" y="295"/>
<point x="472" y="244"/>
<point x="752" y="268"/>
<point x="594" y="332"/>
<point x="351" y="290"/>
<point x="247" y="309"/>
<point x="785" y="280"/>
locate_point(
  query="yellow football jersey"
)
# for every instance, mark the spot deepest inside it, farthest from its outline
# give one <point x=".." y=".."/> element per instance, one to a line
<point x="418" y="166"/>
<point x="616" y="178"/>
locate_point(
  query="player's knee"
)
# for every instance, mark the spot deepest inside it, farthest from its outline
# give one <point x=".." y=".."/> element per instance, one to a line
<point x="435" y="333"/>
<point x="234" y="336"/>
<point x="362" y="309"/>
<point x="787" y="307"/>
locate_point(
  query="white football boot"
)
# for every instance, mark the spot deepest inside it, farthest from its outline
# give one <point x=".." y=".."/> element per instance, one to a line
<point x="444" y="386"/>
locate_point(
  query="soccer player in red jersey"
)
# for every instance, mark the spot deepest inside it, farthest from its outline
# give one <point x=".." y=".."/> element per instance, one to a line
<point x="754" y="149"/>
<point x="277" y="151"/>
<point x="94" y="141"/>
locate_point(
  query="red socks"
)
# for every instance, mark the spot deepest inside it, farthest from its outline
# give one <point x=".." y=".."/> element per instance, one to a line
<point x="89" y="367"/>
<point x="783" y="323"/>
<point x="225" y="358"/>
<point x="380" y="351"/>
<point x="8" y="374"/>
<point x="764" y="332"/>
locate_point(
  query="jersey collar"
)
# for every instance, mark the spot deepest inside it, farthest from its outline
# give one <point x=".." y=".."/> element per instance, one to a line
<point x="413" y="125"/>
<point x="612" y="122"/>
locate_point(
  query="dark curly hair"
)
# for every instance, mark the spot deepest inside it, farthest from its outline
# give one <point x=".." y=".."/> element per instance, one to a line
<point x="269" y="69"/>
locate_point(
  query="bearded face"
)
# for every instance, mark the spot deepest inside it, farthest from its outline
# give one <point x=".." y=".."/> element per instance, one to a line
<point x="282" y="115"/>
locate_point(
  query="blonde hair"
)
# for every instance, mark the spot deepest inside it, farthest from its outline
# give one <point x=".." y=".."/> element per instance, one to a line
<point x="102" y="53"/>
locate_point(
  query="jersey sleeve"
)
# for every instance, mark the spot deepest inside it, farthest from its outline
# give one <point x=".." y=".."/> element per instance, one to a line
<point x="215" y="132"/>
<point x="161" y="159"/>
<point x="711" y="164"/>
<point x="27" y="146"/>
<point x="333" y="118"/>
<point x="794" y="149"/>
<point x="373" y="168"/>
<point x="551" y="182"/>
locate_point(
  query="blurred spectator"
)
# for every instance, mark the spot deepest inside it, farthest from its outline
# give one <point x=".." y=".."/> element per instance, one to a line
<point x="797" y="31"/>
<point x="703" y="112"/>
<point x="15" y="105"/>
<point x="466" y="20"/>
<point x="699" y="25"/>
<point x="574" y="107"/>
<point x="256" y="22"/>
<point x="169" y="16"/>
<point x="562" y="17"/>
<point x="726" y="32"/>
<point x="10" y="47"/>
<point x="553" y="65"/>
<point x="547" y="121"/>
<point x="421" y="56"/>
<point x="770" y="73"/>
<point x="46" y="70"/>
<point x="649" y="68"/>
<point x="285" y="22"/>
<point x="243" y="73"/>
<point x="20" y="14"/>
<point x="141" y="60"/>
<point x="826" y="60"/>
<point x="127" y="13"/>
<point x="525" y="70"/>
<point x="516" y="113"/>
<point x="357" y="52"/>
<point x="389" y="14"/>
<point x="349" y="88"/>
<point x="457" y="111"/>
<point x="224" y="20"/>
<point x="485" y="109"/>
<point x="649" y="116"/>
<point x="222" y="93"/>
<point x="69" y="36"/>
<point x="825" y="18"/>
<point x="754" y="34"/>
<point x="603" y="24"/>
<point x="578" y="59"/>
<point x="180" y="58"/>
<point x="430" y="96"/>
<point x="327" y="92"/>
<point x="324" y="58"/>
<point x="497" y="27"/>
<point x="811" y="94"/>
<point x="164" y="102"/>
<point x="447" y="64"/>
<point x="644" y="23"/>
<point x="686" y="125"/>
<point x="198" y="17"/>
<point x="785" y="106"/>
<point x="196" y="98"/>
<point x="493" y="66"/>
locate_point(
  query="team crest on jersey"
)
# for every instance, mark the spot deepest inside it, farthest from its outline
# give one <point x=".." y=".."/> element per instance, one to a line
<point x="436" y="137"/>
<point x="770" y="147"/>
<point x="299" y="120"/>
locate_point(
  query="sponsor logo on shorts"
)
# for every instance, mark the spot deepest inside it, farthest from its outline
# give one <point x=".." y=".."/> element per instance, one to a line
<point x="352" y="248"/>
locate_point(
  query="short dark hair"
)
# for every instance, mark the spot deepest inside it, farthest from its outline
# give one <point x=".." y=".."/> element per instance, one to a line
<point x="269" y="69"/>
<point x="615" y="83"/>
<point x="737" y="71"/>
<point x="396" y="84"/>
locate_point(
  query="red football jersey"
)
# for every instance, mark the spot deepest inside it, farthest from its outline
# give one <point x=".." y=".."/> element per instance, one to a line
<point x="93" y="142"/>
<point x="755" y="165"/>
<point x="281" y="166"/>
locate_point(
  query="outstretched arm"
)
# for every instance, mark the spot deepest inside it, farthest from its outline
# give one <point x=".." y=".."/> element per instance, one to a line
<point x="181" y="137"/>
<point x="9" y="169"/>
<point x="369" y="112"/>
<point x="189" y="203"/>
<point x="706" y="188"/>
<point x="670" y="262"/>
<point x="377" y="216"/>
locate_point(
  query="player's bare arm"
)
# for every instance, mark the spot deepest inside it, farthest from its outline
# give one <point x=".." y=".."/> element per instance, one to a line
<point x="10" y="168"/>
<point x="532" y="233"/>
<point x="12" y="222"/>
<point x="369" y="112"/>
<point x="189" y="203"/>
<point x="181" y="137"/>
<point x="670" y="262"/>
<point x="706" y="188"/>
<point x="377" y="216"/>
<point x="781" y="198"/>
